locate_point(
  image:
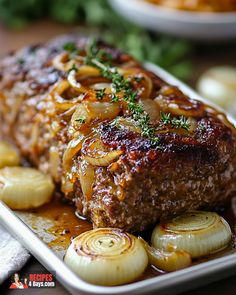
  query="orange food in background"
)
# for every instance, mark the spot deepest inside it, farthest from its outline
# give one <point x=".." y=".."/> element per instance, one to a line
<point x="199" y="5"/>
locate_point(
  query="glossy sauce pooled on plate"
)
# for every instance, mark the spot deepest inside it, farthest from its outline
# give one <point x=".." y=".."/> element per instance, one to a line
<point x="61" y="224"/>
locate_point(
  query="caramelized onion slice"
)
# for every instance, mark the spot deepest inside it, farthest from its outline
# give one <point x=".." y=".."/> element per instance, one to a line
<point x="144" y="82"/>
<point x="54" y="162"/>
<point x="67" y="184"/>
<point x="88" y="71"/>
<point x="95" y="153"/>
<point x="80" y="117"/>
<point x="73" y="147"/>
<point x="167" y="261"/>
<point x="81" y="72"/>
<point x="102" y="110"/>
<point x="61" y="61"/>
<point x="60" y="103"/>
<point x="198" y="233"/>
<point x="87" y="176"/>
<point x="107" y="256"/>
<point x="151" y="108"/>
<point x="72" y="79"/>
<point x="126" y="123"/>
<point x="172" y="100"/>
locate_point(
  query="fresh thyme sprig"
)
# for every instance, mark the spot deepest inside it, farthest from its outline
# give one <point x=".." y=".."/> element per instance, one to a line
<point x="70" y="47"/>
<point x="179" y="123"/>
<point x="80" y="120"/>
<point x="100" y="93"/>
<point x="120" y="84"/>
<point x="73" y="68"/>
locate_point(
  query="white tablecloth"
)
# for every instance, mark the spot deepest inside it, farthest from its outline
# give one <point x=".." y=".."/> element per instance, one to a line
<point x="13" y="256"/>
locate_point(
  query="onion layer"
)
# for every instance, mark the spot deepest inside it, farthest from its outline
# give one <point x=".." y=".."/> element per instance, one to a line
<point x="198" y="233"/>
<point x="95" y="153"/>
<point x="80" y="117"/>
<point x="73" y="147"/>
<point x="152" y="108"/>
<point x="54" y="162"/>
<point x="86" y="173"/>
<point x="167" y="261"/>
<point x="102" y="110"/>
<point x="107" y="256"/>
<point x="8" y="155"/>
<point x="24" y="188"/>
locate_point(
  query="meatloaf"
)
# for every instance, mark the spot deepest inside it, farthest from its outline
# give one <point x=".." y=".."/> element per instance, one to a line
<point x="125" y="146"/>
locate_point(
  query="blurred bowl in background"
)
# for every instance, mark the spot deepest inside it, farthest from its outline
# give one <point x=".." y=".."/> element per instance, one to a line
<point x="218" y="84"/>
<point x="202" y="26"/>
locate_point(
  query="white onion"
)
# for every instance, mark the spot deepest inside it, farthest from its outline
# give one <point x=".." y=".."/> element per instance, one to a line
<point x="219" y="85"/>
<point x="24" y="188"/>
<point x="198" y="233"/>
<point x="8" y="155"/>
<point x="167" y="261"/>
<point x="107" y="256"/>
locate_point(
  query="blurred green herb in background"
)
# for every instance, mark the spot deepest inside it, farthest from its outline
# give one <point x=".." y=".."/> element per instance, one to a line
<point x="165" y="51"/>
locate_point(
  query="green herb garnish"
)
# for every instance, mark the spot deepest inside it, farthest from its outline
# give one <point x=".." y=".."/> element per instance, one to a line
<point x="70" y="47"/>
<point x="114" y="98"/>
<point x="138" y="78"/>
<point x="73" y="68"/>
<point x="120" y="84"/>
<point x="100" y="93"/>
<point x="20" y="61"/>
<point x="201" y="126"/>
<point x="178" y="123"/>
<point x="80" y="120"/>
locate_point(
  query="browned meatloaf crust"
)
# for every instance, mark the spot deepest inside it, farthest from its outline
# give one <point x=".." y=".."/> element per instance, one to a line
<point x="190" y="169"/>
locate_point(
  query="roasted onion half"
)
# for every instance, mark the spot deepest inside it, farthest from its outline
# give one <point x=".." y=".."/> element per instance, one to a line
<point x="24" y="188"/>
<point x="107" y="256"/>
<point x="198" y="233"/>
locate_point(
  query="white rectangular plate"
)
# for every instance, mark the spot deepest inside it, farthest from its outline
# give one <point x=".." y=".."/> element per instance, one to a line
<point x="197" y="275"/>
